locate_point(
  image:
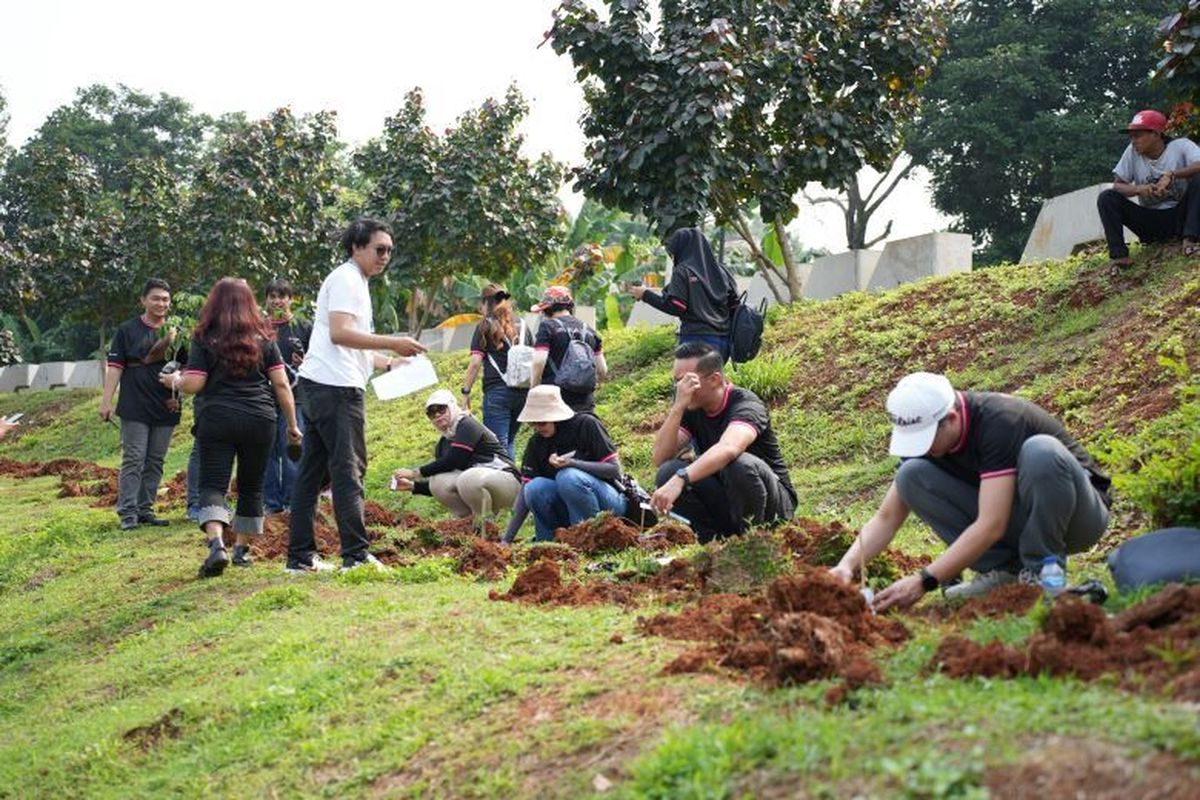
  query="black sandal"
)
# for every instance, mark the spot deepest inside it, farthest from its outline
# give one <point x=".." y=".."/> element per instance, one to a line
<point x="218" y="559"/>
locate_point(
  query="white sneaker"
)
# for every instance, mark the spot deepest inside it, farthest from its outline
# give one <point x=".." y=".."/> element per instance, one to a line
<point x="316" y="565"/>
<point x="370" y="561"/>
<point x="983" y="583"/>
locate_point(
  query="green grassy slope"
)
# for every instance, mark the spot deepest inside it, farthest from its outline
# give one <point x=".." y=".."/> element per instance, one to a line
<point x="122" y="676"/>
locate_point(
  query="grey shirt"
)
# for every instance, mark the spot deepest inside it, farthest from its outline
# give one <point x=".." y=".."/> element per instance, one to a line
<point x="1140" y="171"/>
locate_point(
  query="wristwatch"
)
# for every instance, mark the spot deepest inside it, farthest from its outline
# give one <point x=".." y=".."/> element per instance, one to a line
<point x="929" y="581"/>
<point x="681" y="473"/>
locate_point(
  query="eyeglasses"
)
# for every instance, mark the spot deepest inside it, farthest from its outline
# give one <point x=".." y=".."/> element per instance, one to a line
<point x="434" y="411"/>
<point x="383" y="250"/>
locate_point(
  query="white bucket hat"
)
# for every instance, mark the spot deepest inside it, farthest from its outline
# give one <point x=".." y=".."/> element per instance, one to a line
<point x="915" y="407"/>
<point x="544" y="403"/>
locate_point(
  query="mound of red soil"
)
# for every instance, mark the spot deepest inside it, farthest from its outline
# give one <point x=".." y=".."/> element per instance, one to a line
<point x="1150" y="646"/>
<point x="486" y="559"/>
<point x="542" y="584"/>
<point x="1015" y="598"/>
<point x="603" y="534"/>
<point x="273" y="543"/>
<point x="175" y="490"/>
<point x="821" y="544"/>
<point x="805" y="628"/>
<point x="666" y="535"/>
<point x="546" y="551"/>
<point x="78" y="478"/>
<point x="375" y="514"/>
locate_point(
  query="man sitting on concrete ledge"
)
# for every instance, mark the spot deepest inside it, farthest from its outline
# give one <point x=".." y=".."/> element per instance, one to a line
<point x="739" y="475"/>
<point x="1163" y="175"/>
<point x="999" y="480"/>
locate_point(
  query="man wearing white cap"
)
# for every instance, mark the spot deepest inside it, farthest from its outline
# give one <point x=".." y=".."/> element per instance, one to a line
<point x="996" y="477"/>
<point x="1161" y="174"/>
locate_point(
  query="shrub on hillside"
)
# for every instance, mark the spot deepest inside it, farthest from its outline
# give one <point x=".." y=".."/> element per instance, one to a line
<point x="1158" y="468"/>
<point x="769" y="376"/>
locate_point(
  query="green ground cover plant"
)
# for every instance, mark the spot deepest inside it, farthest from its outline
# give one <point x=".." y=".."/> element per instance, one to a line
<point x="123" y="676"/>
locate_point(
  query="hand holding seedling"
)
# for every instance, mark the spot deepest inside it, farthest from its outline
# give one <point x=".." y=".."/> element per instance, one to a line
<point x="664" y="497"/>
<point x="901" y="594"/>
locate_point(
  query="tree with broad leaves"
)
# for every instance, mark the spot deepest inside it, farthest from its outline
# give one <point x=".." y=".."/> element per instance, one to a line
<point x="1027" y="104"/>
<point x="112" y="127"/>
<point x="711" y="105"/>
<point x="1178" y="70"/>
<point x="261" y="204"/>
<point x="465" y="202"/>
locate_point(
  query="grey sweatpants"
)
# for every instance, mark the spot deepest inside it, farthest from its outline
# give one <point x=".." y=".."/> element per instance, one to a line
<point x="1056" y="511"/>
<point x="143" y="448"/>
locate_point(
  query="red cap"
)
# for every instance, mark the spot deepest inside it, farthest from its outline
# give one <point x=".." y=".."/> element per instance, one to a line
<point x="1148" y="120"/>
<point x="554" y="295"/>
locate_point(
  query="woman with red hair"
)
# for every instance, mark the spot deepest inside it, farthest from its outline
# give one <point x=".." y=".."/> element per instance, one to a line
<point x="233" y="366"/>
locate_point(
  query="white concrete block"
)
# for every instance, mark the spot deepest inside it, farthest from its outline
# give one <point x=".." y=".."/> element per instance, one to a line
<point x="433" y="338"/>
<point x="586" y="314"/>
<point x="17" y="377"/>
<point x="458" y="337"/>
<point x="757" y="289"/>
<point x="837" y="274"/>
<point x="51" y="375"/>
<point x="1066" y="222"/>
<point x="86" y="375"/>
<point x="647" y="315"/>
<point x="917" y="257"/>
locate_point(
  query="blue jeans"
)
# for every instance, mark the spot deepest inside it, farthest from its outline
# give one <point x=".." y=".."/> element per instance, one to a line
<point x="501" y="405"/>
<point x="720" y="343"/>
<point x="569" y="499"/>
<point x="281" y="470"/>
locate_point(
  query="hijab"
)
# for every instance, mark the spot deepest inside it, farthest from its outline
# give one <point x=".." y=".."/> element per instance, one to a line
<point x="688" y="248"/>
<point x="444" y="397"/>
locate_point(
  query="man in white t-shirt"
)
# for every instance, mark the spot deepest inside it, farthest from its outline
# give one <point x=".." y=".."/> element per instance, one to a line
<point x="1160" y="173"/>
<point x="332" y="381"/>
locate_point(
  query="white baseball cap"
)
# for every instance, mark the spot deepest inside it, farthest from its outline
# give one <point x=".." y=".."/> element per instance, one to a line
<point x="915" y="407"/>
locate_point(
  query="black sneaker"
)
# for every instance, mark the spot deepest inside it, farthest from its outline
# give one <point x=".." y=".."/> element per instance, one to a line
<point x="128" y="524"/>
<point x="150" y="519"/>
<point x="218" y="559"/>
<point x="241" y="555"/>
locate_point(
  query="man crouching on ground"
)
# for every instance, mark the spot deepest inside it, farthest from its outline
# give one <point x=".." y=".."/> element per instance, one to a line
<point x="998" y="479"/>
<point x="739" y="475"/>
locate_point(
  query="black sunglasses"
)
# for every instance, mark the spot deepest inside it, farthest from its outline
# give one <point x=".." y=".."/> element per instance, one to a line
<point x="383" y="250"/>
<point x="433" y="411"/>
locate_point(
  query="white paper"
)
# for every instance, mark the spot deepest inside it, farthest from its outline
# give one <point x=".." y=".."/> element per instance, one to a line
<point x="405" y="379"/>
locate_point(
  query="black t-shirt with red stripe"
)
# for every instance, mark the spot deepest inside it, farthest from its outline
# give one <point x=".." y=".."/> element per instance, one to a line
<point x="740" y="407"/>
<point x="249" y="395"/>
<point x="995" y="426"/>
<point x="141" y="398"/>
<point x="582" y="433"/>
<point x="472" y="445"/>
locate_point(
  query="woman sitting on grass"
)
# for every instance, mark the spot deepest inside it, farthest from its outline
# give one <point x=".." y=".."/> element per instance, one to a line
<point x="235" y="366"/>
<point x="471" y="473"/>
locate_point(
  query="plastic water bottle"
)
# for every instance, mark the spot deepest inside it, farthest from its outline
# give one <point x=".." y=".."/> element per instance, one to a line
<point x="1052" y="579"/>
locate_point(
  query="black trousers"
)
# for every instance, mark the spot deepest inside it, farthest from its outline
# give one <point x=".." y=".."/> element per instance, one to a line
<point x="334" y="443"/>
<point x="224" y="436"/>
<point x="746" y="491"/>
<point x="1150" y="224"/>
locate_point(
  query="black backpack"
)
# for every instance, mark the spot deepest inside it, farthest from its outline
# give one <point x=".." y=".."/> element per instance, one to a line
<point x="576" y="372"/>
<point x="745" y="330"/>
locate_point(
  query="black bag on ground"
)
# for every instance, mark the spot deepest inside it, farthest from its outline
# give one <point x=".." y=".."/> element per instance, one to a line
<point x="745" y="330"/>
<point x="637" y="501"/>
<point x="1163" y="556"/>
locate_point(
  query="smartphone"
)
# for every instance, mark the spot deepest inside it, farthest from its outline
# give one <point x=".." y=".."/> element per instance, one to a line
<point x="570" y="454"/>
<point x="12" y="420"/>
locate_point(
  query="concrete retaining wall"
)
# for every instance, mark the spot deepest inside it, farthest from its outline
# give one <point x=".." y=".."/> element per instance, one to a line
<point x="1065" y="223"/>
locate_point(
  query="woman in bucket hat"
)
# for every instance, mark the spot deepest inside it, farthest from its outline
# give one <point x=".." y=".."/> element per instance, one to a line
<point x="570" y="467"/>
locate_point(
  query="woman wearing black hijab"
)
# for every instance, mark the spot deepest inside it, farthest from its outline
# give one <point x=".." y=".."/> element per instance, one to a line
<point x="701" y="293"/>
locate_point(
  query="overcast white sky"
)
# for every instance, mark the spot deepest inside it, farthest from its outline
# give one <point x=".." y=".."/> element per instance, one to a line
<point x="358" y="60"/>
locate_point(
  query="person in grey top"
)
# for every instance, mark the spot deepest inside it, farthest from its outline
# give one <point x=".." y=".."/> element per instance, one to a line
<point x="1163" y="175"/>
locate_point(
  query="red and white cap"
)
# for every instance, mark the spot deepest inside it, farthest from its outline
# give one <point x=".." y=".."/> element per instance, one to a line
<point x="1147" y="120"/>
<point x="915" y="407"/>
